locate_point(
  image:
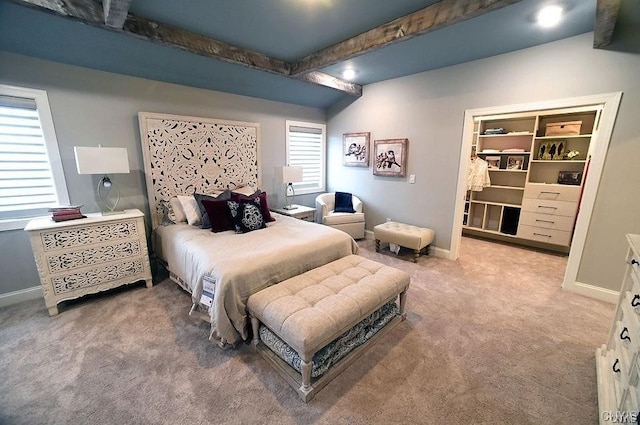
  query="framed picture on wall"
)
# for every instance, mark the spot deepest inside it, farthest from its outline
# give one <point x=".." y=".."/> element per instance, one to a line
<point x="355" y="149"/>
<point x="390" y="157"/>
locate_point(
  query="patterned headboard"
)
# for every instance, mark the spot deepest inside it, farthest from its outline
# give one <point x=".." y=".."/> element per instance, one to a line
<point x="183" y="155"/>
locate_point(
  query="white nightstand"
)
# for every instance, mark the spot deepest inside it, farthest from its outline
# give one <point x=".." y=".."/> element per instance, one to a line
<point x="89" y="255"/>
<point x="300" y="212"/>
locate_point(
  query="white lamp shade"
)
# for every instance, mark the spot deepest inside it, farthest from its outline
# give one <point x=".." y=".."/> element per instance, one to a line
<point x="90" y="160"/>
<point x="290" y="174"/>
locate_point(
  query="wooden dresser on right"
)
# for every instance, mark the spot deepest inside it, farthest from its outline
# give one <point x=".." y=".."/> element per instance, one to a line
<point x="618" y="362"/>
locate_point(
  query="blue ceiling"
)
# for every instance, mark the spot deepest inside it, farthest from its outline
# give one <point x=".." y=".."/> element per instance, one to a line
<point x="283" y="29"/>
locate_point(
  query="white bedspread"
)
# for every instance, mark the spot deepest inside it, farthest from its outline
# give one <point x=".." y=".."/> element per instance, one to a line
<point x="243" y="264"/>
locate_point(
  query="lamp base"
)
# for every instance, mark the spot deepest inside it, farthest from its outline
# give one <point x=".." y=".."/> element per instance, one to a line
<point x="112" y="212"/>
<point x="290" y="207"/>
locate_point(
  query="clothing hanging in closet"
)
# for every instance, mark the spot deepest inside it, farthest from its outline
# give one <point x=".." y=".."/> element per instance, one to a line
<point x="478" y="177"/>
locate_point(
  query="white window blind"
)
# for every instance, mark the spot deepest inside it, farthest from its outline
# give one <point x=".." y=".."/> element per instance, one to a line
<point x="306" y="148"/>
<point x="28" y="182"/>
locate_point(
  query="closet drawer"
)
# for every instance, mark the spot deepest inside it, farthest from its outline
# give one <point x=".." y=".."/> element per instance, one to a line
<point x="541" y="206"/>
<point x="553" y="192"/>
<point x="545" y="221"/>
<point x="556" y="237"/>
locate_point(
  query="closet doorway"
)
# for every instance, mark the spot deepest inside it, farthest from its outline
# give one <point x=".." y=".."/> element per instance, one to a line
<point x="527" y="171"/>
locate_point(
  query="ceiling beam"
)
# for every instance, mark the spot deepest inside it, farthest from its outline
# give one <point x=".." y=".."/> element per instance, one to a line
<point x="115" y="12"/>
<point x="91" y="12"/>
<point x="86" y="11"/>
<point x="327" y="80"/>
<point x="606" y="17"/>
<point x="168" y="35"/>
<point x="436" y="16"/>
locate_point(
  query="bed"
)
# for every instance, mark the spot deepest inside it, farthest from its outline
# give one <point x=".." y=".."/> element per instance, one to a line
<point x="186" y="155"/>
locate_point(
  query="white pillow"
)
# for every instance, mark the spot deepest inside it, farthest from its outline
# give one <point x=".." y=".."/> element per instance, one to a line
<point x="191" y="209"/>
<point x="176" y="213"/>
<point x="245" y="190"/>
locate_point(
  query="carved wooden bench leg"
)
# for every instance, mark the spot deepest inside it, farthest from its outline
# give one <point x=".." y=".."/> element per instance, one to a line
<point x="416" y="254"/>
<point x="377" y="245"/>
<point x="305" y="369"/>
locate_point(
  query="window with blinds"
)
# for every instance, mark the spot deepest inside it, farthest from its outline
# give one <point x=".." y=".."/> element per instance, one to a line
<point x="30" y="182"/>
<point x="306" y="148"/>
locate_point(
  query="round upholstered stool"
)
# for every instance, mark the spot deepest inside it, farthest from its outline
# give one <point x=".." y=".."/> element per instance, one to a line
<point x="413" y="237"/>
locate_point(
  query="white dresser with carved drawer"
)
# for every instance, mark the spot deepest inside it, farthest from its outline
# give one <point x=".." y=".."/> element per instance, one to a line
<point x="89" y="255"/>
<point x="618" y="362"/>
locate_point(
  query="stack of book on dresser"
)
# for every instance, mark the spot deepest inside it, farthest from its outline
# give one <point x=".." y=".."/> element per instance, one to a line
<point x="71" y="212"/>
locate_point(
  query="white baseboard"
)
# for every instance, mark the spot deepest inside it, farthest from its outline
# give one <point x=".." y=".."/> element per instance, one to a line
<point x="434" y="250"/>
<point x="595" y="292"/>
<point x="16" y="297"/>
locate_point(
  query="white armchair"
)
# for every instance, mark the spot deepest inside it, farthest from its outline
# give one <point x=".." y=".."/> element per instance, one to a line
<point x="351" y="223"/>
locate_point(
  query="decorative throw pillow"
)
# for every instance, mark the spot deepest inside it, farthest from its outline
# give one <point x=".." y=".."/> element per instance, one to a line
<point x="191" y="209"/>
<point x="206" y="221"/>
<point x="244" y="190"/>
<point x="246" y="215"/>
<point x="344" y="202"/>
<point x="263" y="203"/>
<point x="176" y="213"/>
<point x="219" y="215"/>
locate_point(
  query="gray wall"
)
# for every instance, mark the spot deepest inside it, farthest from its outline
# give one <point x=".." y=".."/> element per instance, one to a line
<point x="428" y="109"/>
<point x="91" y="107"/>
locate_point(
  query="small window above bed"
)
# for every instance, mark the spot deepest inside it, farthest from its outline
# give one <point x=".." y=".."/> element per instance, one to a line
<point x="306" y="148"/>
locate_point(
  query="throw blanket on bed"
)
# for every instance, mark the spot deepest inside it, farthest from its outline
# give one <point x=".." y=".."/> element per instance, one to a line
<point x="243" y="264"/>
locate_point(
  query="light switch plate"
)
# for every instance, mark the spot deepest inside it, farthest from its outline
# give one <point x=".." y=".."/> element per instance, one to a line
<point x="412" y="178"/>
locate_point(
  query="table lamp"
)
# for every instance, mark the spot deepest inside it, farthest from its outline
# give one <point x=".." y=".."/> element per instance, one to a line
<point x="290" y="175"/>
<point x="100" y="160"/>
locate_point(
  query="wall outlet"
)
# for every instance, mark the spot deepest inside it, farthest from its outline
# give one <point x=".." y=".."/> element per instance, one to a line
<point x="412" y="179"/>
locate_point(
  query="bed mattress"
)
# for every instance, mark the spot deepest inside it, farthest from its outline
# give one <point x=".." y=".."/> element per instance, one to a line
<point x="243" y="264"/>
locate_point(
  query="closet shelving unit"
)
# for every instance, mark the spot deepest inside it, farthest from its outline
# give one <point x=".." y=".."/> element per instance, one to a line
<point x="525" y="203"/>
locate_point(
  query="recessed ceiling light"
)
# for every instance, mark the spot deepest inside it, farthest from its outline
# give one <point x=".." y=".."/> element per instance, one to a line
<point x="348" y="74"/>
<point x="549" y="16"/>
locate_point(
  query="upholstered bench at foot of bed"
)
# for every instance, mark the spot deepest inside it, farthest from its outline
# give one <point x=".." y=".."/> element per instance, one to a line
<point x="310" y="312"/>
<point x="413" y="237"/>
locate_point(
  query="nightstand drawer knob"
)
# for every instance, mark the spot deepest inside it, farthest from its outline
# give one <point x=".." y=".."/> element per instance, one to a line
<point x="615" y="367"/>
<point x="625" y="334"/>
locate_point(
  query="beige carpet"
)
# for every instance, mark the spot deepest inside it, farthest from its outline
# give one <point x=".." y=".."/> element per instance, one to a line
<point x="490" y="339"/>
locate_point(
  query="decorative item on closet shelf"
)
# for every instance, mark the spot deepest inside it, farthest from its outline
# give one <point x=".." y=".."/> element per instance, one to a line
<point x="572" y="154"/>
<point x="567" y="128"/>
<point x="570" y="177"/>
<point x="515" y="162"/>
<point x="493" y="162"/>
<point x="493" y="131"/>
<point x="552" y="150"/>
